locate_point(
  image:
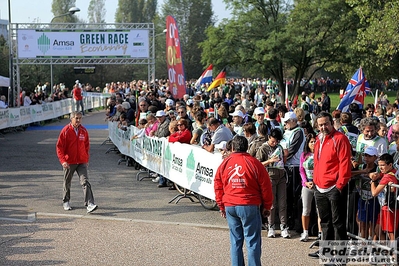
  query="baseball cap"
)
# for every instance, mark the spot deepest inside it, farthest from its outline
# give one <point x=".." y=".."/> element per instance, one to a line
<point x="126" y="105"/>
<point x="221" y="145"/>
<point x="288" y="116"/>
<point x="160" y="113"/>
<point x="237" y="113"/>
<point x="190" y="102"/>
<point x="169" y="102"/>
<point x="259" y="110"/>
<point x="371" y="150"/>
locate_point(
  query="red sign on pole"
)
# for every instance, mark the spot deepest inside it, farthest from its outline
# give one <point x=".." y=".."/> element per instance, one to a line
<point x="177" y="82"/>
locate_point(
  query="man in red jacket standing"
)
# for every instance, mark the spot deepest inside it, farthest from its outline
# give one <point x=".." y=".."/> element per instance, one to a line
<point x="241" y="185"/>
<point x="332" y="171"/>
<point x="73" y="153"/>
<point x="78" y="96"/>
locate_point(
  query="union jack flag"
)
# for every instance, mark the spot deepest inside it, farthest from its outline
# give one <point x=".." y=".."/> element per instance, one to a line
<point x="355" y="92"/>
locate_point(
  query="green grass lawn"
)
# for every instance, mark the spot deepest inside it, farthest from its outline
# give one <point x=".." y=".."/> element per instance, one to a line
<point x="368" y="99"/>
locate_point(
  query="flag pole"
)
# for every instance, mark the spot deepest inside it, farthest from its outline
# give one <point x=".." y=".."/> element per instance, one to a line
<point x="286" y="96"/>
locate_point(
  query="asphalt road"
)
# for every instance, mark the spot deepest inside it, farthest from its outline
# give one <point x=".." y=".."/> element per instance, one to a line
<point x="134" y="224"/>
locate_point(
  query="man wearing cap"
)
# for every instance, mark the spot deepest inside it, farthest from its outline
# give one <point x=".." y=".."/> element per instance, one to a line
<point x="161" y="132"/>
<point x="163" y="127"/>
<point x="247" y="118"/>
<point x="366" y="205"/>
<point x="169" y="105"/>
<point x="236" y="125"/>
<point x="189" y="107"/>
<point x="259" y="114"/>
<point x="293" y="143"/>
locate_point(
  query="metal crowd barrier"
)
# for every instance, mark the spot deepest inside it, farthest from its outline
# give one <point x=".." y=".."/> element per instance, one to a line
<point x="366" y="217"/>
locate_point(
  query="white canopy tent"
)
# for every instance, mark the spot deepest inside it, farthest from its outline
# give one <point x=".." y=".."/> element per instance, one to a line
<point x="4" y="82"/>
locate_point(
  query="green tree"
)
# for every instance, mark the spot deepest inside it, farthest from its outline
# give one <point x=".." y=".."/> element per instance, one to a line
<point x="61" y="7"/>
<point x="193" y="18"/>
<point x="277" y="39"/>
<point x="317" y="35"/>
<point x="96" y="11"/>
<point x="4" y="57"/>
<point x="150" y="9"/>
<point x="377" y="37"/>
<point x="136" y="11"/>
<point x="249" y="41"/>
<point x="131" y="11"/>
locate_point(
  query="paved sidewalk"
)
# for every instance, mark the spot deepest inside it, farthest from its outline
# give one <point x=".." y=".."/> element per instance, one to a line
<point x="134" y="224"/>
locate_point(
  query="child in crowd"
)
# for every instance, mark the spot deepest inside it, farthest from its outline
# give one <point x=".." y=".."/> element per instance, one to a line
<point x="141" y="129"/>
<point x="270" y="154"/>
<point x="388" y="219"/>
<point x="123" y="121"/>
<point x="368" y="206"/>
<point x="152" y="125"/>
<point x="306" y="166"/>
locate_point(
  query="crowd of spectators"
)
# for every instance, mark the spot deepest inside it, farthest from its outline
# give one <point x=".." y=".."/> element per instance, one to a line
<point x="281" y="137"/>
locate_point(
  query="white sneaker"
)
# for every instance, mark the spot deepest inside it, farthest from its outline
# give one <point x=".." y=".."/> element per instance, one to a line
<point x="264" y="226"/>
<point x="155" y="180"/>
<point x="304" y="237"/>
<point x="66" y="206"/>
<point x="91" y="207"/>
<point x="284" y="232"/>
<point x="271" y="233"/>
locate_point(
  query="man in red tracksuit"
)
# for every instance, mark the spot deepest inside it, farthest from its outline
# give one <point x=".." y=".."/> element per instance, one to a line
<point x="332" y="171"/>
<point x="73" y="153"/>
<point x="241" y="185"/>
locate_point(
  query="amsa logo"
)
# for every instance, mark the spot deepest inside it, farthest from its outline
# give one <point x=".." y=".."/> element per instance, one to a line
<point x="63" y="43"/>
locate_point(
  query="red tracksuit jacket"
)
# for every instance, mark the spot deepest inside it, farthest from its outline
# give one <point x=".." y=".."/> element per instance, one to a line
<point x="71" y="147"/>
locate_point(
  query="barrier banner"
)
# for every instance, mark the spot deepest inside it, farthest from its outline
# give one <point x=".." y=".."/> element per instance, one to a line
<point x="14" y="117"/>
<point x="187" y="165"/>
<point x="25" y="114"/>
<point x="48" y="111"/>
<point x="4" y="117"/>
<point x="119" y="136"/>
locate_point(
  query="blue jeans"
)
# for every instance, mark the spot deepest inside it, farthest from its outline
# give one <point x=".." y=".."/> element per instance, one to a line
<point x="79" y="105"/>
<point x="244" y="223"/>
<point x="162" y="180"/>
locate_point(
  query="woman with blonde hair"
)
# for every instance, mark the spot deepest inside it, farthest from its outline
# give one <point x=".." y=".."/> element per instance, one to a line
<point x="300" y="114"/>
